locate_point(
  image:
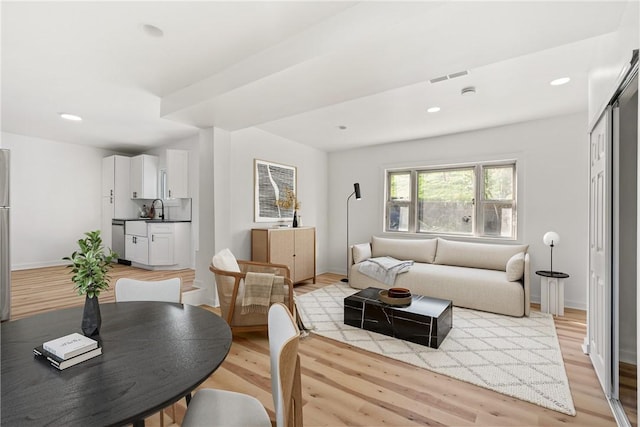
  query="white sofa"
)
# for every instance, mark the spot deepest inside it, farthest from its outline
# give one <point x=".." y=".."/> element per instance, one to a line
<point x="481" y="276"/>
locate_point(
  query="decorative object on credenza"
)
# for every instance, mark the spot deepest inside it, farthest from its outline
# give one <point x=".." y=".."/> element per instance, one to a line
<point x="551" y="238"/>
<point x="288" y="201"/>
<point x="358" y="196"/>
<point x="89" y="266"/>
<point x="273" y="184"/>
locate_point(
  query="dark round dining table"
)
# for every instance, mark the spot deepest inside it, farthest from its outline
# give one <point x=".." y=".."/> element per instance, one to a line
<point x="153" y="354"/>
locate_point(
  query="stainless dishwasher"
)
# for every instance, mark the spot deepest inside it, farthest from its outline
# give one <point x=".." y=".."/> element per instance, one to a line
<point x="117" y="240"/>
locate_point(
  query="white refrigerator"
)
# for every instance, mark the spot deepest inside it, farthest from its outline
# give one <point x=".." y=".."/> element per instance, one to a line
<point x="5" y="260"/>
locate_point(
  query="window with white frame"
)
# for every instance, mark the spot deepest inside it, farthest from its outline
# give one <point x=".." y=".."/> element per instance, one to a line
<point x="472" y="199"/>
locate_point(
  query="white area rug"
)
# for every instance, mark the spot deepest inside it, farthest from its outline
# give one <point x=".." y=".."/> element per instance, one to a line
<point x="519" y="357"/>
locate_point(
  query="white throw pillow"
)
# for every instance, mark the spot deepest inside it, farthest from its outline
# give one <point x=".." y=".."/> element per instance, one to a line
<point x="224" y="260"/>
<point x="515" y="267"/>
<point x="361" y="252"/>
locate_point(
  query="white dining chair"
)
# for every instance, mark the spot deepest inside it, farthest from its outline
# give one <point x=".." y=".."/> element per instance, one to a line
<point x="169" y="290"/>
<point x="212" y="407"/>
<point x="140" y="290"/>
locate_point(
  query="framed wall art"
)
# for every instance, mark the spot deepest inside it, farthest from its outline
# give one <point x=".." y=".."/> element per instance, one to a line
<point x="274" y="184"/>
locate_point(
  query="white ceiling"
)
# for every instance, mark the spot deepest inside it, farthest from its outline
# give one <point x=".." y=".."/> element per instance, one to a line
<point x="295" y="69"/>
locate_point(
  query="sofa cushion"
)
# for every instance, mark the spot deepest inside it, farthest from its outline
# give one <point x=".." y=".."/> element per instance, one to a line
<point x="515" y="267"/>
<point x="361" y="252"/>
<point x="423" y="250"/>
<point x="476" y="255"/>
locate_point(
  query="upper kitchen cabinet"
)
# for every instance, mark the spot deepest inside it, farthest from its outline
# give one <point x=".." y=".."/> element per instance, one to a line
<point x="115" y="188"/>
<point x="144" y="176"/>
<point x="177" y="179"/>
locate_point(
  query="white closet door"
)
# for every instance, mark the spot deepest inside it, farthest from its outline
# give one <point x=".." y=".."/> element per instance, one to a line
<point x="600" y="251"/>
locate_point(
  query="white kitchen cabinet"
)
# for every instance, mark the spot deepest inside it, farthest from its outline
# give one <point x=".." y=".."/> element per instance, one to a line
<point x="161" y="244"/>
<point x="177" y="174"/>
<point x="116" y="202"/>
<point x="154" y="245"/>
<point x="136" y="243"/>
<point x="144" y="177"/>
<point x="137" y="249"/>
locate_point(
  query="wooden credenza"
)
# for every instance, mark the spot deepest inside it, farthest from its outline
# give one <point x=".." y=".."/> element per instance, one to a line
<point x="293" y="247"/>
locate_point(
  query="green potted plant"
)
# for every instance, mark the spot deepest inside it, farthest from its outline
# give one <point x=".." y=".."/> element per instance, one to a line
<point x="89" y="266"/>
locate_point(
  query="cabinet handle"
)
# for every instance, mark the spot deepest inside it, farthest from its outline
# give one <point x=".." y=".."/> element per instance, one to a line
<point x="169" y="193"/>
<point x="111" y="200"/>
<point x="153" y="237"/>
<point x="111" y="192"/>
<point x="135" y="194"/>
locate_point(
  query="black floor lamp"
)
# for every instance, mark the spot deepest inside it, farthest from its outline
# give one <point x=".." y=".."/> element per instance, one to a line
<point x="356" y="192"/>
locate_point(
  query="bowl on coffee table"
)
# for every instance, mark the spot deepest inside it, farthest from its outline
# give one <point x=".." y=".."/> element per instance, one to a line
<point x="395" y="296"/>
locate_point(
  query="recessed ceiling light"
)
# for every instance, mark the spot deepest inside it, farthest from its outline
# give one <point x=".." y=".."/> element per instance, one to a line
<point x="342" y="127"/>
<point x="433" y="109"/>
<point x="71" y="117"/>
<point x="467" y="91"/>
<point x="152" y="30"/>
<point x="560" y="81"/>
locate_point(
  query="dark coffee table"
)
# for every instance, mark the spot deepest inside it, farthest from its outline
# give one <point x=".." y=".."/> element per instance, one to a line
<point x="426" y="321"/>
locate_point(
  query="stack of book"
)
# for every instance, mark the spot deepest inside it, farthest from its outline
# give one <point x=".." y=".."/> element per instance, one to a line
<point x="67" y="351"/>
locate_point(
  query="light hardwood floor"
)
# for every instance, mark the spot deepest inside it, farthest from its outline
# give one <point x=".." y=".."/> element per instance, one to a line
<point x="348" y="386"/>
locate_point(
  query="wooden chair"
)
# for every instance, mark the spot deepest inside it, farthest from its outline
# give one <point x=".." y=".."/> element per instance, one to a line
<point x="168" y="290"/>
<point x="212" y="407"/>
<point x="230" y="275"/>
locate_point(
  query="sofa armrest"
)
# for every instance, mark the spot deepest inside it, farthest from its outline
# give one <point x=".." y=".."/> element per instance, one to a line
<point x="527" y="285"/>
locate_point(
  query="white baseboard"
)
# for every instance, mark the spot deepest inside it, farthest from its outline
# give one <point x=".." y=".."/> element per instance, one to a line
<point x="628" y="356"/>
<point x="567" y="303"/>
<point x="193" y="297"/>
<point x="30" y="265"/>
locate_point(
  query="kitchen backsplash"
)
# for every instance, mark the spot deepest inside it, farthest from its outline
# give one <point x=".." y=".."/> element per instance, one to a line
<point x="175" y="209"/>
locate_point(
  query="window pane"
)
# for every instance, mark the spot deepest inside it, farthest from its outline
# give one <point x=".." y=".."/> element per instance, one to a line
<point x="400" y="186"/>
<point x="498" y="183"/>
<point x="445" y="201"/>
<point x="498" y="219"/>
<point x="398" y="218"/>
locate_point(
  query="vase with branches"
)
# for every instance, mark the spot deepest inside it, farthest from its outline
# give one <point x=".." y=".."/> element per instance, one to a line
<point x="89" y="268"/>
<point x="289" y="202"/>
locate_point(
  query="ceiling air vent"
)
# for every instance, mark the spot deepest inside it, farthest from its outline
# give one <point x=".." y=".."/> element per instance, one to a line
<point x="439" y="79"/>
<point x="458" y="74"/>
<point x="449" y="77"/>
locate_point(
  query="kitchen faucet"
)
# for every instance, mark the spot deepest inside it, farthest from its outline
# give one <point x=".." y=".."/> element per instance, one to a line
<point x="161" y="207"/>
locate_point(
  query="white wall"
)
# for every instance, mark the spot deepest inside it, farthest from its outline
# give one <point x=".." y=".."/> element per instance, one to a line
<point x="552" y="157"/>
<point x="55" y="198"/>
<point x="203" y="215"/>
<point x="612" y="59"/>
<point x="311" y="164"/>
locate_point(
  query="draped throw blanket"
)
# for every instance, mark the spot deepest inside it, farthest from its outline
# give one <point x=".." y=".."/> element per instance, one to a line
<point x="384" y="269"/>
<point x="260" y="291"/>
